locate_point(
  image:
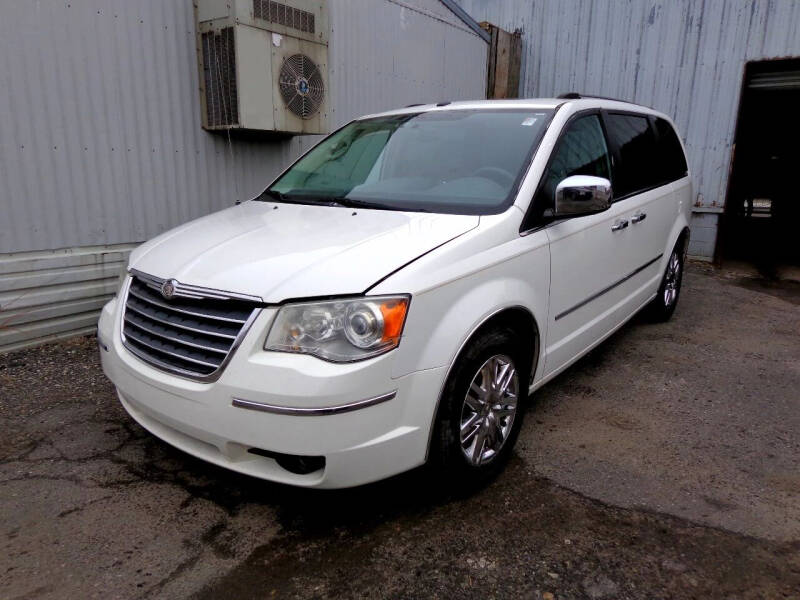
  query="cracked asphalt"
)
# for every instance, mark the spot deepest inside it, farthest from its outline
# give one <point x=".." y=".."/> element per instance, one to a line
<point x="666" y="464"/>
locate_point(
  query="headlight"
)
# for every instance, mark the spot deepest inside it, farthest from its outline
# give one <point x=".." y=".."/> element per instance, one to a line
<point x="340" y="330"/>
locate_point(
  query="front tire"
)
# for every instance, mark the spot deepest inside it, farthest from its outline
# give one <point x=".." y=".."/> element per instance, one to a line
<point x="663" y="305"/>
<point x="481" y="409"/>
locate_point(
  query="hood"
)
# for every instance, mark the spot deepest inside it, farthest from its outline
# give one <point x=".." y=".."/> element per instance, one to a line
<point x="282" y="251"/>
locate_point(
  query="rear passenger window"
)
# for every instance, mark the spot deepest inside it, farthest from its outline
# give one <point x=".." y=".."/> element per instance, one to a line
<point x="670" y="152"/>
<point x="580" y="151"/>
<point x="639" y="167"/>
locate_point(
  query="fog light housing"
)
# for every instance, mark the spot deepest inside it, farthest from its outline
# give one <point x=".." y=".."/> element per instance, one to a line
<point x="294" y="463"/>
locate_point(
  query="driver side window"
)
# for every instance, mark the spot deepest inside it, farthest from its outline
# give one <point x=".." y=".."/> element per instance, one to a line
<point x="582" y="150"/>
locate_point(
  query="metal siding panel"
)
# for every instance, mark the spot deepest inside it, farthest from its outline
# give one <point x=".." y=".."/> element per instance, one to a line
<point x="53" y="311"/>
<point x="438" y="10"/>
<point x="384" y="55"/>
<point x="47" y="294"/>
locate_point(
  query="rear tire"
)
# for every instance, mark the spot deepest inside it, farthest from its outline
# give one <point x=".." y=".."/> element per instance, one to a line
<point x="663" y="305"/>
<point x="481" y="409"/>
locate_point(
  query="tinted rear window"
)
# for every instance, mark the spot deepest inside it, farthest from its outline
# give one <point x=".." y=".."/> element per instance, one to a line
<point x="670" y="152"/>
<point x="639" y="165"/>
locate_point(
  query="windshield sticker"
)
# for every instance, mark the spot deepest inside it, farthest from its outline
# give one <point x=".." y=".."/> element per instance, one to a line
<point x="529" y="121"/>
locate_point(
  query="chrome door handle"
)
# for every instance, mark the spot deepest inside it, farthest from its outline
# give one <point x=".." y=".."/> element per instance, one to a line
<point x="619" y="225"/>
<point x="638" y="217"/>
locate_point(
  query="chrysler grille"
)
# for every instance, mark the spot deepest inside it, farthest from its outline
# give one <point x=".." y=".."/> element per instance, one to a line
<point x="191" y="336"/>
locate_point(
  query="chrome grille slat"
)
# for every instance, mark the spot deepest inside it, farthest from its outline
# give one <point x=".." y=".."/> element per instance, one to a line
<point x="190" y="335"/>
<point x="184" y="311"/>
<point x="163" y="364"/>
<point x="149" y="344"/>
<point x="174" y="339"/>
<point x="182" y="325"/>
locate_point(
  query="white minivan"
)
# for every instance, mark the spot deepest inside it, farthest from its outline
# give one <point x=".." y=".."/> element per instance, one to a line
<point x="398" y="293"/>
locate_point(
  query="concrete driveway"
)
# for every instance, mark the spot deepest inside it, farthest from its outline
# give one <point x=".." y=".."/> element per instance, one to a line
<point x="664" y="464"/>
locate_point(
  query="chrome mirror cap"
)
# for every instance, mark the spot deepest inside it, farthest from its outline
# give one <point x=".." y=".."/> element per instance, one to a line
<point x="582" y="195"/>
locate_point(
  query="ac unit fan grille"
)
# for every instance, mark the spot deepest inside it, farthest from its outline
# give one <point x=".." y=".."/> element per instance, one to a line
<point x="302" y="87"/>
<point x="277" y="12"/>
<point x="219" y="71"/>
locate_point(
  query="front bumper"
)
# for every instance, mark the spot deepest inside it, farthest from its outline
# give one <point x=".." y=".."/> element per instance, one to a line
<point x="363" y="444"/>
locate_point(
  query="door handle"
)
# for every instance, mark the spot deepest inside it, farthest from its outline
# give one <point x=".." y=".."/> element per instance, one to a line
<point x="638" y="217"/>
<point x="619" y="225"/>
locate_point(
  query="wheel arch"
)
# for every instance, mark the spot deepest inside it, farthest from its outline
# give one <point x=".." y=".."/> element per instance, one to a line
<point x="683" y="240"/>
<point x="679" y="234"/>
<point x="517" y="317"/>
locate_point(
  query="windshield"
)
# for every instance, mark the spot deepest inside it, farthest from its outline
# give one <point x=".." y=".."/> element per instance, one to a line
<point x="457" y="161"/>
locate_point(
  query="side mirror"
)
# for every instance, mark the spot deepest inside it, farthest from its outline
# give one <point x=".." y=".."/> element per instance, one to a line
<point x="582" y="195"/>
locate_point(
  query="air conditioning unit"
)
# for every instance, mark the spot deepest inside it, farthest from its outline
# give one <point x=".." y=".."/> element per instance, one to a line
<point x="263" y="65"/>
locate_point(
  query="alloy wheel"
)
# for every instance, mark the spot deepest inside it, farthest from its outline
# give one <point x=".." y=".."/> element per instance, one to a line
<point x="489" y="408"/>
<point x="672" y="279"/>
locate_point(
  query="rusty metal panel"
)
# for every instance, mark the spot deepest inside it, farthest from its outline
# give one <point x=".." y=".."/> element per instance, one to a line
<point x="685" y="58"/>
<point x="505" y="53"/>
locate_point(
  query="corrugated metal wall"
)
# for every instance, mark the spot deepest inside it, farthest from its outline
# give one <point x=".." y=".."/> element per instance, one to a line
<point x="100" y="137"/>
<point x="53" y="294"/>
<point x="683" y="57"/>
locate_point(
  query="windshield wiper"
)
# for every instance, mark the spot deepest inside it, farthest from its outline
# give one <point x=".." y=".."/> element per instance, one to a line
<point x="281" y="197"/>
<point x="274" y="194"/>
<point x="354" y="203"/>
<point x="333" y="201"/>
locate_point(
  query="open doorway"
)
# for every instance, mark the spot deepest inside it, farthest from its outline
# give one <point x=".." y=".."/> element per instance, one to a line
<point x="761" y="224"/>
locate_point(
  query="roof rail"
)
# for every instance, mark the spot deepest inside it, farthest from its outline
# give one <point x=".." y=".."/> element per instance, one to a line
<point x="577" y="96"/>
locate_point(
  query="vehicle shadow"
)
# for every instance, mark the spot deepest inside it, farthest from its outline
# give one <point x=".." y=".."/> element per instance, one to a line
<point x="298" y="509"/>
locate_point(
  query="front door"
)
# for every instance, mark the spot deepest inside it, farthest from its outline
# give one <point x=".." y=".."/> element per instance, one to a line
<point x="589" y="255"/>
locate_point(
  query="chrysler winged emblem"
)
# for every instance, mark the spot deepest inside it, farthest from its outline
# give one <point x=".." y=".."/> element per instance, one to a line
<point x="168" y="288"/>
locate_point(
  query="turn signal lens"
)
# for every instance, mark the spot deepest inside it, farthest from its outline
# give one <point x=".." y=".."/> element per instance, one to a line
<point x="394" y="317"/>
